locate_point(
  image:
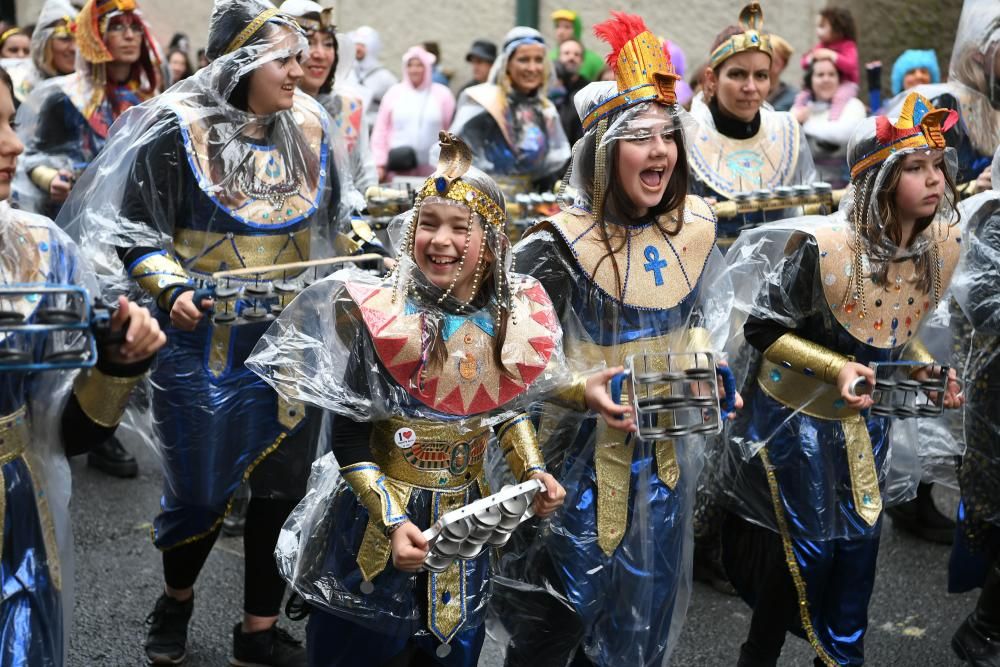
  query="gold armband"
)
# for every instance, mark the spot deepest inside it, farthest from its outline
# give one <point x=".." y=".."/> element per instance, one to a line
<point x="384" y="501"/>
<point x="519" y="444"/>
<point x="43" y="176"/>
<point x="572" y="396"/>
<point x="699" y="340"/>
<point x="103" y="398"/>
<point x="803" y="356"/>
<point x="160" y="275"/>
<point x="917" y="351"/>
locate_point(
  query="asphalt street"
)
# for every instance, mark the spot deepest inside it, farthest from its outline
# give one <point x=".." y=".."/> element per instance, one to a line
<point x="118" y="577"/>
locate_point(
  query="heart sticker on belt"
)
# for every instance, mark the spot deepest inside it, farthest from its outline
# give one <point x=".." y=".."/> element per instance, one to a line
<point x="405" y="438"/>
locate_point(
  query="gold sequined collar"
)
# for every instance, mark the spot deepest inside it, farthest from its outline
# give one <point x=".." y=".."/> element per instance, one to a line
<point x="274" y="197"/>
<point x="469" y="382"/>
<point x="657" y="271"/>
<point x="892" y="314"/>
<point x="729" y="166"/>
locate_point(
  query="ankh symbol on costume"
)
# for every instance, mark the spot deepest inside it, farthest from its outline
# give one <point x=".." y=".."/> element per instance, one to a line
<point x="654" y="263"/>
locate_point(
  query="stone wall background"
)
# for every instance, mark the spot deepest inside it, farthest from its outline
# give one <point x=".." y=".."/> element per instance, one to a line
<point x="886" y="27"/>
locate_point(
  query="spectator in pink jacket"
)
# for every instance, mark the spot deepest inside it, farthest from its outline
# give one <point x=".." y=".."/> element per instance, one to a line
<point x="409" y="119"/>
<point x="837" y="35"/>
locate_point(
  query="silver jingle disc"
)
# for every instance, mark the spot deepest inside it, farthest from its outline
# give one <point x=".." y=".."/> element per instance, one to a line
<point x="443" y="651"/>
<point x="367" y="588"/>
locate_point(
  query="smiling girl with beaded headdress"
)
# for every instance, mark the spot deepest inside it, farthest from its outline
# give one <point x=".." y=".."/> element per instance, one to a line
<point x="818" y="300"/>
<point x="422" y="369"/>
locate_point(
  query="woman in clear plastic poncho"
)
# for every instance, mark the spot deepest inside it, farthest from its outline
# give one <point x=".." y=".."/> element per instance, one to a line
<point x="511" y="126"/>
<point x="230" y="168"/>
<point x="47" y="414"/>
<point x="53" y="49"/>
<point x="632" y="268"/>
<point x="422" y="370"/>
<point x="739" y="145"/>
<point x="64" y="122"/>
<point x="331" y="59"/>
<point x="817" y="300"/>
<point x="973" y="89"/>
<point x="974" y="558"/>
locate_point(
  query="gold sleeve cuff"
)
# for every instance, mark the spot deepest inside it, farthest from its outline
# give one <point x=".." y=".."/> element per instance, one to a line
<point x="917" y="351"/>
<point x="519" y="444"/>
<point x="159" y="275"/>
<point x="803" y="356"/>
<point x="699" y="340"/>
<point x="103" y="398"/>
<point x="572" y="395"/>
<point x="380" y="498"/>
<point x="43" y="177"/>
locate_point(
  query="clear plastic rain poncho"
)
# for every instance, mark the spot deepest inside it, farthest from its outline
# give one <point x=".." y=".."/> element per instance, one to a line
<point x="417" y="367"/>
<point x="610" y="574"/>
<point x="65" y="121"/>
<point x="806" y="477"/>
<point x="55" y="21"/>
<point x="516" y="138"/>
<point x="976" y="288"/>
<point x="190" y="184"/>
<point x="797" y="277"/>
<point x="37" y="566"/>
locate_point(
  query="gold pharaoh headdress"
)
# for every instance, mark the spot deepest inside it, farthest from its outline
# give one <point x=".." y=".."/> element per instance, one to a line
<point x="751" y="39"/>
<point x="642" y="68"/>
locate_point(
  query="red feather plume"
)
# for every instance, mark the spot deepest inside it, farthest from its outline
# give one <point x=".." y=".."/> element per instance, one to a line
<point x="617" y="31"/>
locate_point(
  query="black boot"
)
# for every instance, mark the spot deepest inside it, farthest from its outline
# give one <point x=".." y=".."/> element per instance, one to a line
<point x="747" y="659"/>
<point x="922" y="518"/>
<point x="977" y="640"/>
<point x="112" y="458"/>
<point x="273" y="647"/>
<point x="166" y="640"/>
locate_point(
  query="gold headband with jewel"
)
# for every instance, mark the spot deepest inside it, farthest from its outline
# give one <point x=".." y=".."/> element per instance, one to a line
<point x="251" y="29"/>
<point x="751" y="39"/>
<point x="642" y="68"/>
<point x="454" y="161"/>
<point x="324" y="24"/>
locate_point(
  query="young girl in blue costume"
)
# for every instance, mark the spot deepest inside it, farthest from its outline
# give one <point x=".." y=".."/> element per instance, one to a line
<point x="422" y="370"/>
<point x="48" y="412"/>
<point x="231" y="168"/>
<point x="632" y="268"/>
<point x="819" y="299"/>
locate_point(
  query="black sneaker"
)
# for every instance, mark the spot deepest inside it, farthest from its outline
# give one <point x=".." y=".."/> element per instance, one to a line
<point x="273" y="647"/>
<point x="112" y="458"/>
<point x="166" y="640"/>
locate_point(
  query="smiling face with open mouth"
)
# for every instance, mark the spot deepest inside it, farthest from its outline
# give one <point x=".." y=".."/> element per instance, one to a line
<point x="647" y="154"/>
<point x="444" y="235"/>
<point x="273" y="84"/>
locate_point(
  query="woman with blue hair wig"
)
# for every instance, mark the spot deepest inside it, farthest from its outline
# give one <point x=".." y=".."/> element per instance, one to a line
<point x="915" y="67"/>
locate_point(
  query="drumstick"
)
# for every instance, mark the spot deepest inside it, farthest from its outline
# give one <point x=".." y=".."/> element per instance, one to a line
<point x="257" y="270"/>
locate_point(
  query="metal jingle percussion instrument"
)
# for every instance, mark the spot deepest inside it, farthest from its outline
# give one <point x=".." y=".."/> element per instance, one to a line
<point x="488" y="522"/>
<point x="247" y="295"/>
<point x="63" y="332"/>
<point x="897" y="394"/>
<point x="675" y="394"/>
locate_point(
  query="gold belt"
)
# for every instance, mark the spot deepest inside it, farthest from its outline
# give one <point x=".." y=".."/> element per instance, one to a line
<point x="823" y="401"/>
<point x="15" y="432"/>
<point x="428" y="455"/>
<point x="208" y="252"/>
